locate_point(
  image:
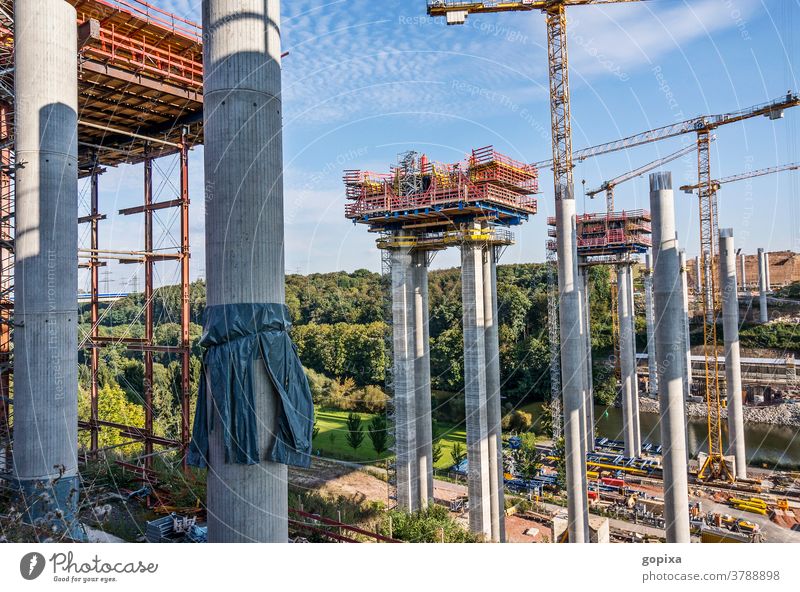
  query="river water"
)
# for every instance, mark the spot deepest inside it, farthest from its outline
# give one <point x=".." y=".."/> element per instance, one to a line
<point x="768" y="446"/>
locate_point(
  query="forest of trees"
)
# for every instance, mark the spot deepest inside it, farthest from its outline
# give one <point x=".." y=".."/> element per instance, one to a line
<point x="340" y="331"/>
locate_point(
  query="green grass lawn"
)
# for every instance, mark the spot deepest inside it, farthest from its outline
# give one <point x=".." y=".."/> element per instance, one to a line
<point x="332" y="439"/>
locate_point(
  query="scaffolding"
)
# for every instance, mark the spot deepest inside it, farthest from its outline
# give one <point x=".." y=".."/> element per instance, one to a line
<point x="420" y="194"/>
<point x="604" y="234"/>
<point x="6" y="230"/>
<point x="140" y="82"/>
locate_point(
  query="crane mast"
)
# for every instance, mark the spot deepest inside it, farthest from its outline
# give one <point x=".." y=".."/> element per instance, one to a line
<point x="715" y="465"/>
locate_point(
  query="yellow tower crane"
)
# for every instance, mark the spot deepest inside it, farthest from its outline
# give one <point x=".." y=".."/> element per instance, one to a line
<point x="715" y="466"/>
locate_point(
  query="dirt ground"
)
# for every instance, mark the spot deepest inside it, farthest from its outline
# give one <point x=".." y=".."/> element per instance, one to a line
<point x="341" y="479"/>
<point x="516" y="526"/>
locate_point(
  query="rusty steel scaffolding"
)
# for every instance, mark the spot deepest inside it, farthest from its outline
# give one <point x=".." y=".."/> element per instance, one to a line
<point x="147" y="346"/>
<point x="6" y="281"/>
<point x="140" y="79"/>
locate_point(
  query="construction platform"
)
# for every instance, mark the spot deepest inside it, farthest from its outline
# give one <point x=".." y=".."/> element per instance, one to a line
<point x="140" y="80"/>
<point x="437" y="201"/>
<point x="603" y="235"/>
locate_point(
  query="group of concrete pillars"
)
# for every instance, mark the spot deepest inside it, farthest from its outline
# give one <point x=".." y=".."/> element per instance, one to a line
<point x="412" y="389"/>
<point x="244" y="249"/>
<point x="670" y="297"/>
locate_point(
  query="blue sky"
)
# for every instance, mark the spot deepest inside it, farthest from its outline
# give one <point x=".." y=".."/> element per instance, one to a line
<point x="367" y="79"/>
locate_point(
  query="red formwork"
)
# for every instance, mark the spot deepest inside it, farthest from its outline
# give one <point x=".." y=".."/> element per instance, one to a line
<point x="485" y="176"/>
<point x="620" y="230"/>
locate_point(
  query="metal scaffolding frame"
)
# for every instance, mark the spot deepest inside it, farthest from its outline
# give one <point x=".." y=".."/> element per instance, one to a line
<point x="140" y="79"/>
<point x="147" y="346"/>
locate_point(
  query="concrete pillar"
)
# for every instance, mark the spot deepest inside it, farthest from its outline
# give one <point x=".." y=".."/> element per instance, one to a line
<point x="763" y="287"/>
<point x="45" y="269"/>
<point x="422" y="378"/>
<point x="652" y="374"/>
<point x="733" y="366"/>
<point x="478" y="480"/>
<point x="493" y="403"/>
<point x="687" y="344"/>
<point x="405" y="402"/>
<point x="743" y="277"/>
<point x="582" y="372"/>
<point x="572" y="351"/>
<point x="244" y="238"/>
<point x="627" y="362"/>
<point x="587" y="362"/>
<point x="670" y="352"/>
<point x="637" y="424"/>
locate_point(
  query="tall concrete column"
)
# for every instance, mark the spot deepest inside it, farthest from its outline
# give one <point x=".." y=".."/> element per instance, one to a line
<point x="652" y="374"/>
<point x="422" y="378"/>
<point x="627" y="355"/>
<point x="637" y="424"/>
<point x="763" y="287"/>
<point x="583" y="383"/>
<point x="493" y="403"/>
<point x="587" y="362"/>
<point x="572" y="352"/>
<point x="244" y="239"/>
<point x="733" y="365"/>
<point x="45" y="269"/>
<point x="687" y="344"/>
<point x="670" y="352"/>
<point x="478" y="477"/>
<point x="404" y="347"/>
<point x="743" y="276"/>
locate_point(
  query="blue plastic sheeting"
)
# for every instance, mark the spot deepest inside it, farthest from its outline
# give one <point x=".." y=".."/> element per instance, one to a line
<point x="237" y="337"/>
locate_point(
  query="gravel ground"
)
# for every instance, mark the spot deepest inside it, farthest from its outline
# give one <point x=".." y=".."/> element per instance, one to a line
<point x="786" y="414"/>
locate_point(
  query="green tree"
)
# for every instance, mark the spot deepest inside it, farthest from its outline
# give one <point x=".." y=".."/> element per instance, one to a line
<point x="378" y="432"/>
<point x="529" y="461"/>
<point x="517" y="421"/>
<point x="447" y="359"/>
<point x="437" y="452"/>
<point x="315" y="429"/>
<point x="355" y="431"/>
<point x="113" y="406"/>
<point x="457" y="453"/>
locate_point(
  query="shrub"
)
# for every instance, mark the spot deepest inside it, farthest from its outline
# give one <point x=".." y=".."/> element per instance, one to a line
<point x="426" y="526"/>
